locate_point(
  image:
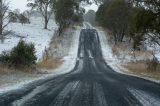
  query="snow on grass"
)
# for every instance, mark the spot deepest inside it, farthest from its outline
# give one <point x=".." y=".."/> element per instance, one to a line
<point x="67" y="66"/>
<point x="31" y="33"/>
<point x="70" y="60"/>
<point x="153" y="46"/>
<point x="106" y="49"/>
<point x="113" y="62"/>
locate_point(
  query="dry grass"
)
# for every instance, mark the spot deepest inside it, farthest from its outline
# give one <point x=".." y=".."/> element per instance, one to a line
<point x="140" y="68"/>
<point x="4" y="69"/>
<point x="117" y="49"/>
<point x="123" y="49"/>
<point x="10" y="76"/>
<point x="49" y="63"/>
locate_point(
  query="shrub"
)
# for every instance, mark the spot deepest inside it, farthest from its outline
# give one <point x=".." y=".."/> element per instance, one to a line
<point x="4" y="58"/>
<point x="21" y="55"/>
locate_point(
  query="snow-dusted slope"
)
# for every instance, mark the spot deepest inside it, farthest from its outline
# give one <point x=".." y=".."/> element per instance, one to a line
<point x="70" y="59"/>
<point x="31" y="33"/>
<point x="112" y="61"/>
<point x="67" y="66"/>
<point x="106" y="49"/>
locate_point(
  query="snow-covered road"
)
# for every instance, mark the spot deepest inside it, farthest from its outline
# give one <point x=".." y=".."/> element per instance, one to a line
<point x="91" y="83"/>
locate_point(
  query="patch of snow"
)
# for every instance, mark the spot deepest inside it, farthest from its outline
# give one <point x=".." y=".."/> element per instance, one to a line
<point x="152" y="46"/>
<point x="106" y="49"/>
<point x="90" y="54"/>
<point x="31" y="33"/>
<point x="67" y="66"/>
<point x="70" y="60"/>
<point x="80" y="67"/>
<point x="112" y="61"/>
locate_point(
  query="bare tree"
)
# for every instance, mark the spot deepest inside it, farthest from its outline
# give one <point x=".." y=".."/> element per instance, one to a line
<point x="45" y="7"/>
<point x="4" y="7"/>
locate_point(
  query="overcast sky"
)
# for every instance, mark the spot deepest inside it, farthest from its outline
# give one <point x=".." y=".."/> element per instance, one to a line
<point x="18" y="4"/>
<point x="21" y="4"/>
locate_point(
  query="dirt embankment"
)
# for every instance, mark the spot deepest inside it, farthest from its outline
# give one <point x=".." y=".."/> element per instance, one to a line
<point x="58" y="49"/>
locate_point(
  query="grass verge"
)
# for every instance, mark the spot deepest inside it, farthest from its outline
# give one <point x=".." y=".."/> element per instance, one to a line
<point x="50" y="63"/>
<point x="140" y="68"/>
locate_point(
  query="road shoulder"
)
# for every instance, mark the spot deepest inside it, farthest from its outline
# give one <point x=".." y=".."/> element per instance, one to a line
<point x="116" y="64"/>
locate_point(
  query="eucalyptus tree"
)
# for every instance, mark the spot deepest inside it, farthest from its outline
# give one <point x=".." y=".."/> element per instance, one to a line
<point x="114" y="16"/>
<point x="4" y="8"/>
<point x="45" y="7"/>
<point x="67" y="12"/>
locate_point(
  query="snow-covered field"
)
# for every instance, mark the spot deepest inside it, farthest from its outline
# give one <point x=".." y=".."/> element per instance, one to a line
<point x="31" y="33"/>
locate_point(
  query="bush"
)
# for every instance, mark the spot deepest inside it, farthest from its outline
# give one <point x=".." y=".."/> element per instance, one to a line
<point x="21" y="55"/>
<point x="4" y="58"/>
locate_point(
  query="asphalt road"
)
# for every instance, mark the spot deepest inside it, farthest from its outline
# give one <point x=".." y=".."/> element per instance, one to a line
<point x="91" y="83"/>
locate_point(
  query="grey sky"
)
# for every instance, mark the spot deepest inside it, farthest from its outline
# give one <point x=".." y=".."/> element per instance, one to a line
<point x="21" y="4"/>
<point x="18" y="4"/>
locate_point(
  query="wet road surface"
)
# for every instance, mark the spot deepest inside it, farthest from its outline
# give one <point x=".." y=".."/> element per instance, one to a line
<point x="91" y="83"/>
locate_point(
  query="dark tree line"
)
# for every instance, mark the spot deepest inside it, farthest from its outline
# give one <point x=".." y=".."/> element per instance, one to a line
<point x="114" y="15"/>
<point x="138" y="19"/>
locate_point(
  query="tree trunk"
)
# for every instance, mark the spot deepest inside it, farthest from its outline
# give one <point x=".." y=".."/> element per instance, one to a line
<point x="1" y="22"/>
<point x="46" y="17"/>
<point x="1" y="18"/>
<point x="115" y="38"/>
<point x="130" y="39"/>
<point x="46" y="23"/>
<point x="1" y="31"/>
<point x="122" y="35"/>
<point x="60" y="30"/>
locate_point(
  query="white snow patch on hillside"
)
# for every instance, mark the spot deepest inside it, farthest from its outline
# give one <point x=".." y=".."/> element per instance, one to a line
<point x="67" y="66"/>
<point x="70" y="60"/>
<point x="153" y="46"/>
<point x="106" y="49"/>
<point x="112" y="61"/>
<point x="31" y="33"/>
